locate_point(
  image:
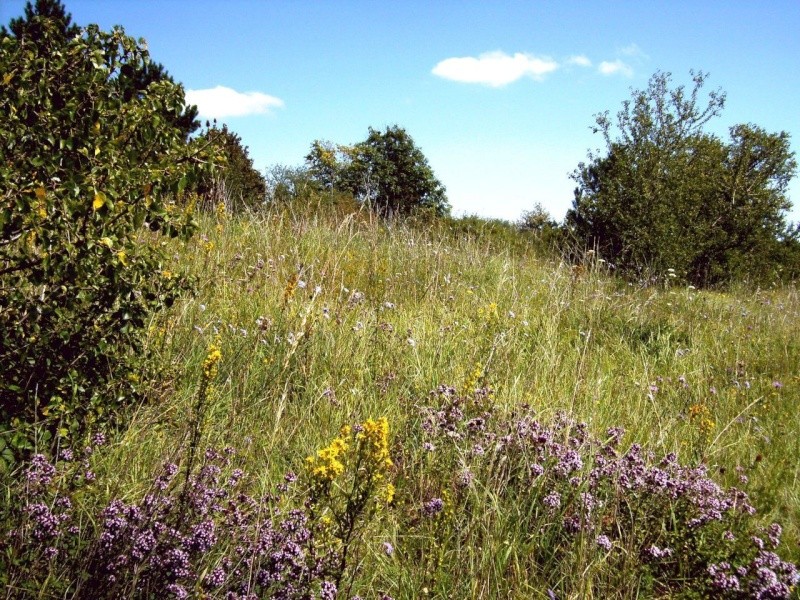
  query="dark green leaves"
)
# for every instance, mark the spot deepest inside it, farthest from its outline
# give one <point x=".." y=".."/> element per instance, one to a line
<point x="668" y="195"/>
<point x="82" y="171"/>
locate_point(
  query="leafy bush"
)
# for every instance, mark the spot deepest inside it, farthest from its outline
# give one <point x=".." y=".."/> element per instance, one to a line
<point x="668" y="195"/>
<point x="89" y="177"/>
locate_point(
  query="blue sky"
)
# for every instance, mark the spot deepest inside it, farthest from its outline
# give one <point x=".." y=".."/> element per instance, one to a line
<point x="498" y="95"/>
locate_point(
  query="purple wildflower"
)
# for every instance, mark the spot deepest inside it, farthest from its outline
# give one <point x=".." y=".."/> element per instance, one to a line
<point x="433" y="507"/>
<point x="603" y="542"/>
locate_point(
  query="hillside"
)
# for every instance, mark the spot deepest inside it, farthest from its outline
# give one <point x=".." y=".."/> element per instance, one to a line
<point x="324" y="323"/>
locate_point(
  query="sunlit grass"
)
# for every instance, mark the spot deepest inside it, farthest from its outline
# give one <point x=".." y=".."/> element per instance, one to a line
<point x="326" y="322"/>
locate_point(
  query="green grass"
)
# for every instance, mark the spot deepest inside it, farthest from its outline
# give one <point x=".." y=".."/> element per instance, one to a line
<point x="327" y="322"/>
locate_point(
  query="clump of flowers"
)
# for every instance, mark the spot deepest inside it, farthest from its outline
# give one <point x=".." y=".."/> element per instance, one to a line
<point x="327" y="465"/>
<point x="700" y="414"/>
<point x="205" y="537"/>
<point x="348" y="482"/>
<point x="588" y="498"/>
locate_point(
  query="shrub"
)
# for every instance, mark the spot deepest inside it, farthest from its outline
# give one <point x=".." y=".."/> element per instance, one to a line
<point x="668" y="195"/>
<point x="89" y="181"/>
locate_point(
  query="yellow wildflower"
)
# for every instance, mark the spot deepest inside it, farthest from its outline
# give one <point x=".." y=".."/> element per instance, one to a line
<point x="211" y="363"/>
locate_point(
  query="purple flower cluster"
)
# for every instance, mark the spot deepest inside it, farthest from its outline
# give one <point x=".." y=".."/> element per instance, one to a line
<point x="596" y="487"/>
<point x="432" y="507"/>
<point x="766" y="576"/>
<point x="187" y="534"/>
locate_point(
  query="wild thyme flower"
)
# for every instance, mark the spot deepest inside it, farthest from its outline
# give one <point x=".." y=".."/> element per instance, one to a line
<point x="433" y="507"/>
<point x="603" y="542"/>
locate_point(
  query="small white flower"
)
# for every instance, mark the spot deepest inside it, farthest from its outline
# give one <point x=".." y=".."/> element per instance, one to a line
<point x="411" y="342"/>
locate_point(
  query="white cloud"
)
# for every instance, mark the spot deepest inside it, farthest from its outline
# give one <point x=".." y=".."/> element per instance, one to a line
<point x="495" y="69"/>
<point x="612" y="68"/>
<point x="221" y="101"/>
<point x="632" y="50"/>
<point x="579" y="60"/>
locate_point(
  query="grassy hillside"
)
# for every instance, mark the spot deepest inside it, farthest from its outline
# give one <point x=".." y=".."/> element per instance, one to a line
<point x="461" y="344"/>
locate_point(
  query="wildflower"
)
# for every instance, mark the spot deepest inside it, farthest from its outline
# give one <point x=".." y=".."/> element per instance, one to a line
<point x="389" y="493"/>
<point x="603" y="542"/>
<point x="388" y="549"/>
<point x="657" y="553"/>
<point x="211" y="363"/>
<point x="375" y="436"/>
<point x="289" y="290"/>
<point x="326" y="465"/>
<point x="552" y="501"/>
<point x="433" y="507"/>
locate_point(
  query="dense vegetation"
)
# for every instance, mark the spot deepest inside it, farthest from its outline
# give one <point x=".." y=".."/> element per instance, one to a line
<point x="344" y="405"/>
<point x="668" y="195"/>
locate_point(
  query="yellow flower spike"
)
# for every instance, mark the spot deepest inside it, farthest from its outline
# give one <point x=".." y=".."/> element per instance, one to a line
<point x="389" y="493"/>
<point x="211" y="363"/>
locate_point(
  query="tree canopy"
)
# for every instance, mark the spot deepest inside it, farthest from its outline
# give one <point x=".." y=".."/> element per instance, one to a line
<point x="387" y="172"/>
<point x="669" y="195"/>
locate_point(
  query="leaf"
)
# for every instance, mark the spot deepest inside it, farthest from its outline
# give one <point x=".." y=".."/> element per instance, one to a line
<point x="99" y="201"/>
<point x="106" y="242"/>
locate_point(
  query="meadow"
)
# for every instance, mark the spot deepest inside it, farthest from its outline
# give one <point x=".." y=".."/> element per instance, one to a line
<point x="428" y="413"/>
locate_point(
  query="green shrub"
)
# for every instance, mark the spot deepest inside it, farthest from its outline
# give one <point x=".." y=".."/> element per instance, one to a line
<point x="89" y="178"/>
<point x="668" y="195"/>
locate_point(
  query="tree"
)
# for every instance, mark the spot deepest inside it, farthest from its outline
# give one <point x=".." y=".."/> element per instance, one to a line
<point x="668" y="195"/>
<point x="132" y="79"/>
<point x="86" y="177"/>
<point x="60" y="25"/>
<point x="236" y="183"/>
<point x="386" y="172"/>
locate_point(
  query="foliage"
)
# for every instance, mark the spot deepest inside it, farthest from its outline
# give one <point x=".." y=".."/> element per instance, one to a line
<point x="669" y="195"/>
<point x="387" y="172"/>
<point x="87" y="172"/>
<point x="236" y="183"/>
<point x="132" y="79"/>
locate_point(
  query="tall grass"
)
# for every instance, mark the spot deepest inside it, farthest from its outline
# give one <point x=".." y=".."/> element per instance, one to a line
<point x="324" y="322"/>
